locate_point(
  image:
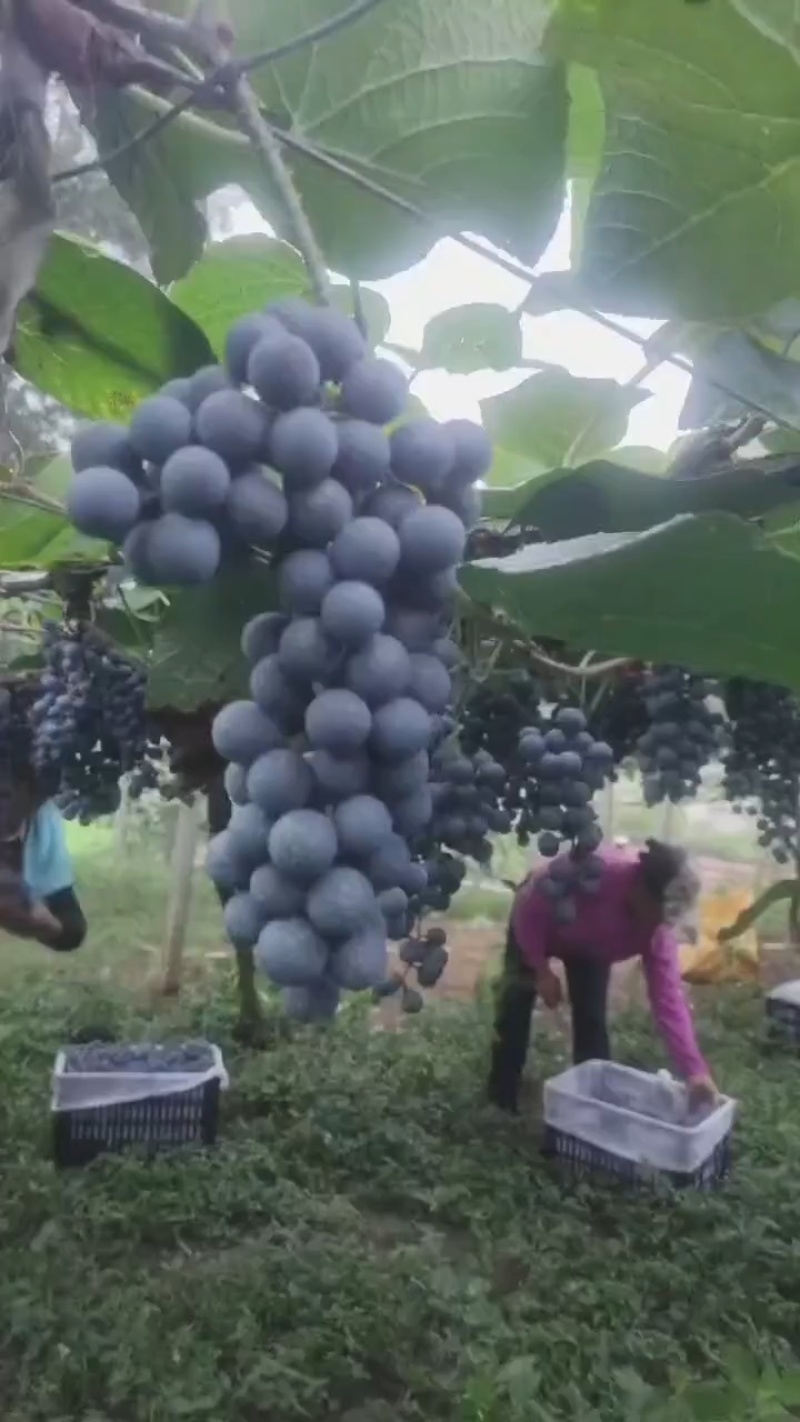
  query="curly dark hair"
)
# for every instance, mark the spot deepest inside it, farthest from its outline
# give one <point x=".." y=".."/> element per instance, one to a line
<point x="669" y="878"/>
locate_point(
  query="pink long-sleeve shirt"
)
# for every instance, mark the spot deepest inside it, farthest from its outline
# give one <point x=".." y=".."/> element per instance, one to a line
<point x="604" y="930"/>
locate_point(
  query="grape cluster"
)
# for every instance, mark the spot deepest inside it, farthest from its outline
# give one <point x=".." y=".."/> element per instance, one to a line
<point x="620" y="718"/>
<point x="682" y="736"/>
<point x="496" y="711"/>
<point x="89" y="721"/>
<point x="564" y="766"/>
<point x="762" y="762"/>
<point x="427" y="957"/>
<point x="467" y="793"/>
<point x="147" y="1057"/>
<point x="328" y="762"/>
<point x="567" y="877"/>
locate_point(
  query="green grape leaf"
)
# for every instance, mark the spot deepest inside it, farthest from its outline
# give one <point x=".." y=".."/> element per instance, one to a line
<point x="555" y="419"/>
<point x="694" y="212"/>
<point x="481" y="336"/>
<point x="709" y="592"/>
<point x="451" y="107"/>
<point x="98" y="336"/>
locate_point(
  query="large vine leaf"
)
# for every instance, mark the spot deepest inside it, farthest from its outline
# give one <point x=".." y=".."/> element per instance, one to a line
<point x="195" y="657"/>
<point x="697" y="209"/>
<point x="36" y="537"/>
<point x="98" y="336"/>
<point x="739" y="363"/>
<point x="585" y="143"/>
<point x="481" y="336"/>
<point x="606" y="497"/>
<point x="709" y="593"/>
<point x="554" y="420"/>
<point x="778" y="19"/>
<point x="450" y="106"/>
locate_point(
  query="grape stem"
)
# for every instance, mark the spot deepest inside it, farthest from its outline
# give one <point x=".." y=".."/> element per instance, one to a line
<point x="255" y="127"/>
<point x="211" y="42"/>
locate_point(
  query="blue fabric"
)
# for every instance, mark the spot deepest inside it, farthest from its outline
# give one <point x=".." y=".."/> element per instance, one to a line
<point x="46" y="862"/>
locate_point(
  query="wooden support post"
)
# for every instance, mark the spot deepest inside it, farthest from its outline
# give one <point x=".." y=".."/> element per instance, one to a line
<point x="184" y="851"/>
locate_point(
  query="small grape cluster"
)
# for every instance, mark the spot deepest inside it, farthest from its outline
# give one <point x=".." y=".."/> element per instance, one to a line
<point x="567" y="877"/>
<point x="89" y="724"/>
<point x="467" y="792"/>
<point x="497" y="710"/>
<point x="683" y="735"/>
<point x="564" y="766"/>
<point x="620" y="717"/>
<point x="328" y="762"/>
<point x="106" y="1058"/>
<point x="427" y="957"/>
<point x="762" y="762"/>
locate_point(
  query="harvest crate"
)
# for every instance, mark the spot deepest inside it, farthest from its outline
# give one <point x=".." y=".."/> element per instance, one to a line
<point x="636" y="1126"/>
<point x="783" y="1013"/>
<point x="107" y="1099"/>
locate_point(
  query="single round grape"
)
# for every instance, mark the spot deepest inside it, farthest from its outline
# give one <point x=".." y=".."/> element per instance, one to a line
<point x="303" y="446"/>
<point x="362" y="824"/>
<point x="366" y="550"/>
<point x="233" y="426"/>
<point x="256" y="508"/>
<point x="362" y="460"/>
<point x="183" y="551"/>
<point x="304" y="578"/>
<point x="431" y="540"/>
<point x="103" y="503"/>
<point x="284" y="371"/>
<point x="262" y="634"/>
<point x="352" y="612"/>
<point x="303" y="845"/>
<point x="317" y="515"/>
<point x="422" y="454"/>
<point x="375" y="390"/>
<point x="380" y="670"/>
<point x="159" y="427"/>
<point x="206" y="381"/>
<point x="194" y="482"/>
<point x="243" y="336"/>
<point x="105" y="445"/>
<point x="338" y="721"/>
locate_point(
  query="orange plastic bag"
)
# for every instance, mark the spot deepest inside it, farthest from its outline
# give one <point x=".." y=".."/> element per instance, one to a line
<point x="709" y="961"/>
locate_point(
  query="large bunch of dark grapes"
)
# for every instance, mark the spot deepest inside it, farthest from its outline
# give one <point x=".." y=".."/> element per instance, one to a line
<point x="762" y="762"/>
<point x="683" y="734"/>
<point x="328" y="762"/>
<point x="496" y="711"/>
<point x="620" y="717"/>
<point x="89" y="723"/>
<point x="564" y="766"/>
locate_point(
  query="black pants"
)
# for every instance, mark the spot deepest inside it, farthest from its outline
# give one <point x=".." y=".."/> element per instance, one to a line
<point x="587" y="982"/>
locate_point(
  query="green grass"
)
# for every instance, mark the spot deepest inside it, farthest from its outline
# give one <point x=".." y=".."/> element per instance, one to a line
<point x="368" y="1242"/>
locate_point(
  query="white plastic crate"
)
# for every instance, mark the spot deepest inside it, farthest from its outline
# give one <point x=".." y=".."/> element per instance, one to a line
<point x="636" y="1117"/>
<point x="109" y="1108"/>
<point x="783" y="1009"/>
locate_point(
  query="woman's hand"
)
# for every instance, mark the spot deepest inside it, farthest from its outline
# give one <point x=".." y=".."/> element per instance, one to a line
<point x="548" y="987"/>
<point x="702" y="1092"/>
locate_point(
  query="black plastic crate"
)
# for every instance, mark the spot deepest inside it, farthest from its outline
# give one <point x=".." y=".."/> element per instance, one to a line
<point x="580" y="1159"/>
<point x="783" y="1022"/>
<point x="188" y="1117"/>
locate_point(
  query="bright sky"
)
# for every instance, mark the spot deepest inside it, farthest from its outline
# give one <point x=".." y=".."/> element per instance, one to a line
<point x="452" y="276"/>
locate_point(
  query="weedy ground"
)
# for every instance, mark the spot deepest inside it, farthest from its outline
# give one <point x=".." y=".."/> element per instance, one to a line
<point x="368" y="1242"/>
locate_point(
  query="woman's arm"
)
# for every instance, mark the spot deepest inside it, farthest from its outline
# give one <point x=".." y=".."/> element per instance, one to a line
<point x="57" y="921"/>
<point x="68" y="929"/>
<point x="670" y="1006"/>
